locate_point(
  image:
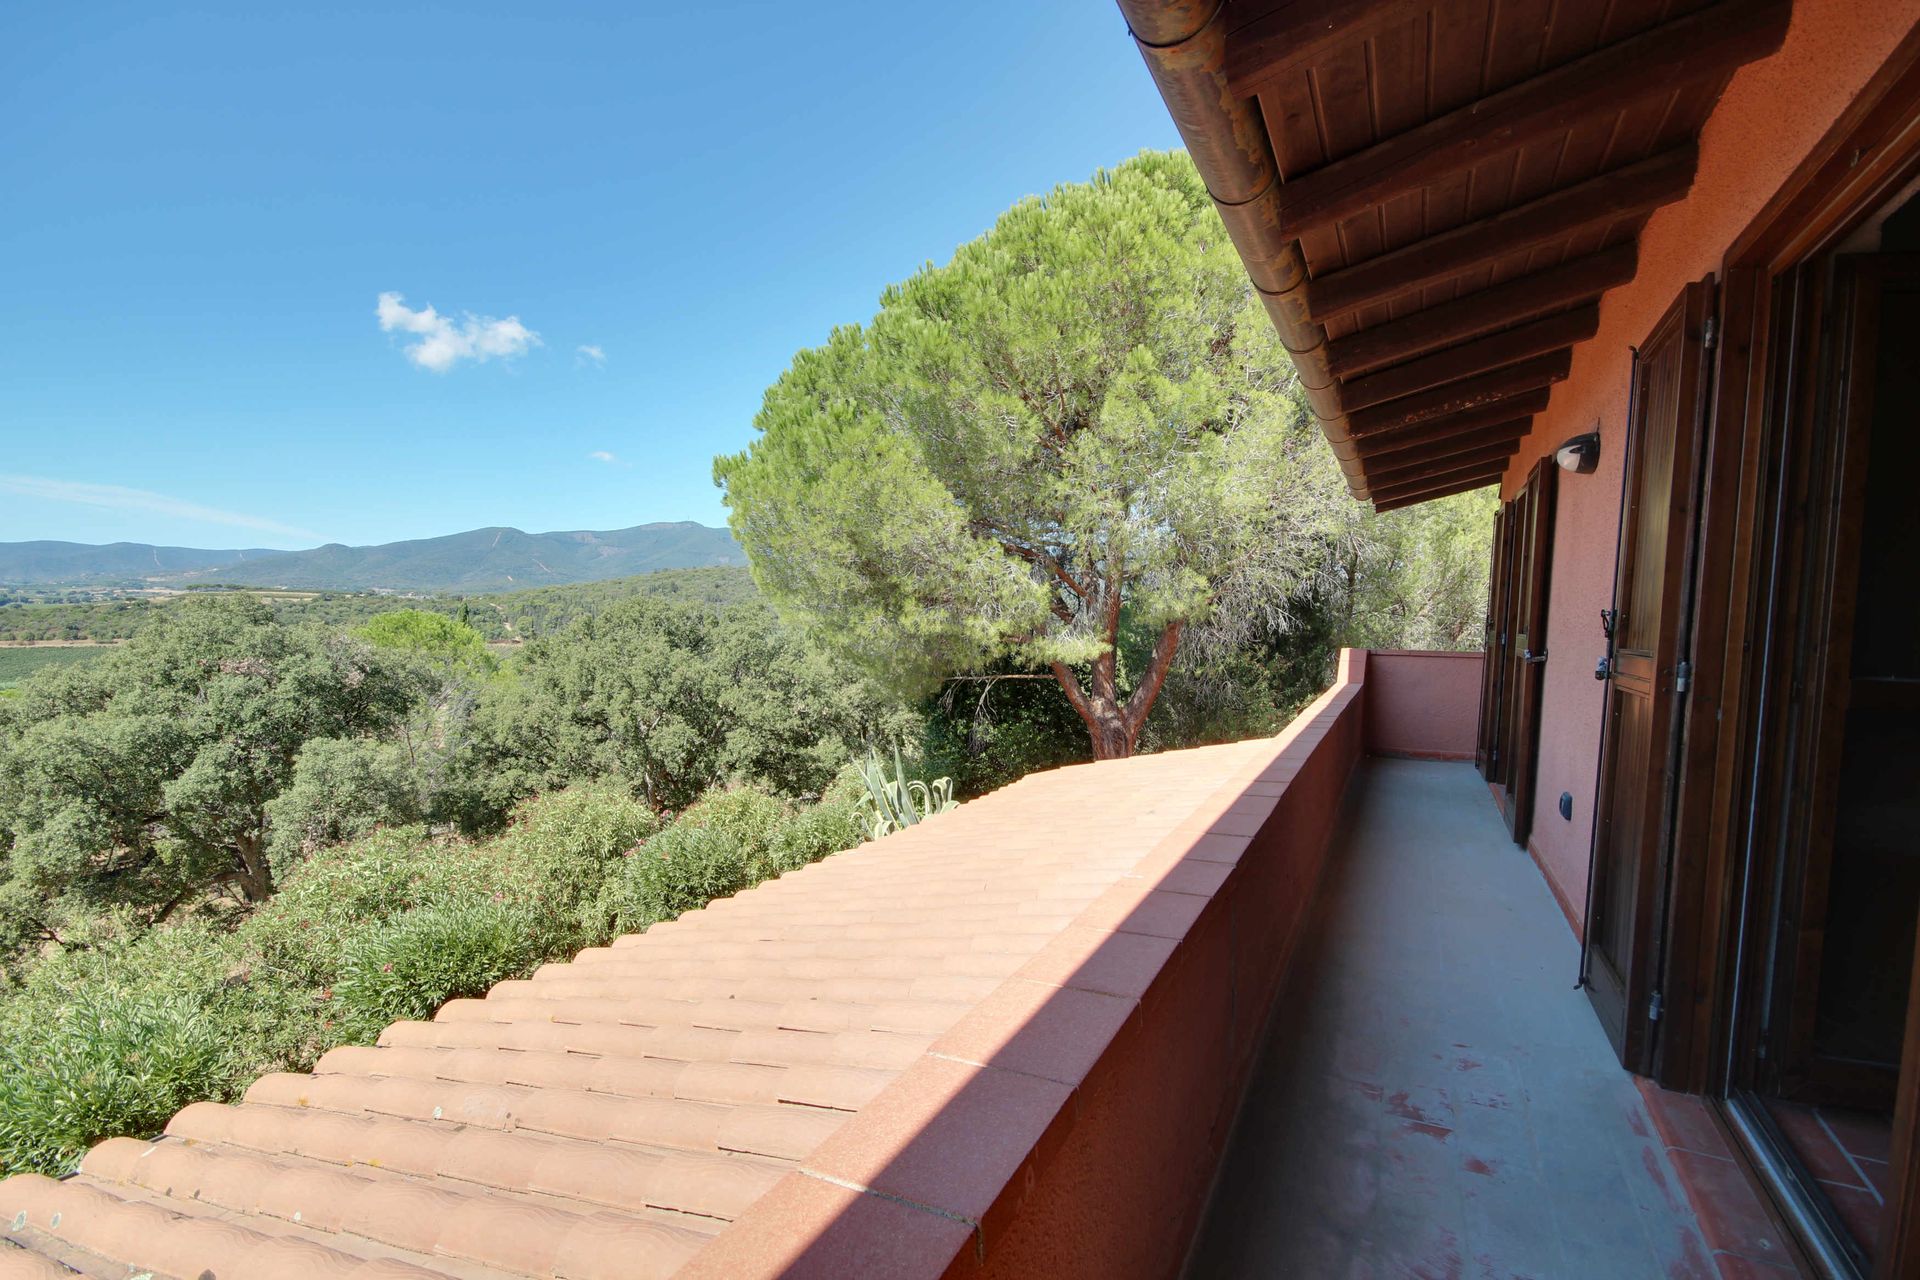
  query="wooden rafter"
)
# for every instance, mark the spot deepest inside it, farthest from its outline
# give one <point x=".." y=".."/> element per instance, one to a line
<point x="1477" y="459"/>
<point x="1433" y="451"/>
<point x="1446" y="491"/>
<point x="1520" y="406"/>
<point x="1449" y="481"/>
<point x="1536" y="338"/>
<point x="1295" y="34"/>
<point x="1526" y="297"/>
<point x="1699" y="46"/>
<point x="1457" y="397"/>
<point x="1627" y="192"/>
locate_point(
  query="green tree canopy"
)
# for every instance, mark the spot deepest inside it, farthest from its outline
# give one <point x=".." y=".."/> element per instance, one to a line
<point x="670" y="698"/>
<point x="1082" y="423"/>
<point x="146" y="776"/>
<point x="431" y="636"/>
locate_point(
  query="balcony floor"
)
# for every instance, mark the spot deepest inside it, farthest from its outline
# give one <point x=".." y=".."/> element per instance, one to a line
<point x="1435" y="1099"/>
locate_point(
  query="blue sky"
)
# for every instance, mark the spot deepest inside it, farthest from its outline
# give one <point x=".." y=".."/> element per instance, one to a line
<point x="625" y="219"/>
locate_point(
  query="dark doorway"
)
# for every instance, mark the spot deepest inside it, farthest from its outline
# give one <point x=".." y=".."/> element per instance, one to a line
<point x="1832" y="869"/>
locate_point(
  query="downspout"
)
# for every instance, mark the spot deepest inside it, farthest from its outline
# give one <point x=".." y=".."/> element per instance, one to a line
<point x="1184" y="43"/>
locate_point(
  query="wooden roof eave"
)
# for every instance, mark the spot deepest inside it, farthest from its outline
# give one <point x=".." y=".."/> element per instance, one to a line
<point x="1416" y="369"/>
<point x="1184" y="45"/>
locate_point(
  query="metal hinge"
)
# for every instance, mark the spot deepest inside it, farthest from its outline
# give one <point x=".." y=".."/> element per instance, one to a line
<point x="1710" y="332"/>
<point x="1682" y="677"/>
<point x="1653" y="1008"/>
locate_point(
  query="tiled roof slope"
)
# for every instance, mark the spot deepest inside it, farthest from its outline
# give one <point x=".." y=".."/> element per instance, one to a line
<point x="609" y="1116"/>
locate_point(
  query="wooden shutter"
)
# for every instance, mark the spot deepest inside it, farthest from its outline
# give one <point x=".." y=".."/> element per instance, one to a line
<point x="1645" y="683"/>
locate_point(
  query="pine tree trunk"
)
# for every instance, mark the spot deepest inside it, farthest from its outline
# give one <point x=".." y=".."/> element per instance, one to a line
<point x="1113" y="727"/>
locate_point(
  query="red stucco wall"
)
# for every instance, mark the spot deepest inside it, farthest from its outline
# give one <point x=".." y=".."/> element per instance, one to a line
<point x="1422" y="704"/>
<point x="1124" y="1194"/>
<point x="1770" y="117"/>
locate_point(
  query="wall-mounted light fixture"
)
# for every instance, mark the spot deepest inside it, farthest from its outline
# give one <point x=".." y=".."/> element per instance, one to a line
<point x="1580" y="455"/>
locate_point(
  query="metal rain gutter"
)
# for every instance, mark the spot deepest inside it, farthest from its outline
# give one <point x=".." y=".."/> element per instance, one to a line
<point x="1184" y="43"/>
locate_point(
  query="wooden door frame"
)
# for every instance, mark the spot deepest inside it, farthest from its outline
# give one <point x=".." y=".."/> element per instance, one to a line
<point x="1493" y="660"/>
<point x="1825" y="196"/>
<point x="1870" y="153"/>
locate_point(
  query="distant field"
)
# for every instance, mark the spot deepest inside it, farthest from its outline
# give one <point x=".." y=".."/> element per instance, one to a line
<point x="16" y="664"/>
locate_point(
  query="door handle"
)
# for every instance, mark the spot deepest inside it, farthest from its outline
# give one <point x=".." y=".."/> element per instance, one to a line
<point x="1603" y="670"/>
<point x="1529" y="656"/>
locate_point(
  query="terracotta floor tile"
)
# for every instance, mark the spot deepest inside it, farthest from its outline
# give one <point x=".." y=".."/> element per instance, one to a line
<point x="1682" y="1120"/>
<point x="1812" y="1144"/>
<point x="1730" y="1213"/>
<point x="1861" y="1211"/>
<point x="1861" y="1133"/>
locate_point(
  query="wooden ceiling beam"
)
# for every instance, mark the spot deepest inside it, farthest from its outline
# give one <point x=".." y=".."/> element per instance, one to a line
<point x="1525" y="297"/>
<point x="1504" y="348"/>
<point x="1298" y="33"/>
<point x="1501" y="411"/>
<point x="1631" y="191"/>
<point x="1384" y="505"/>
<point x="1701" y="45"/>
<point x="1378" y="481"/>
<point x="1420" y="447"/>
<point x="1467" y="393"/>
<point x="1484" y="473"/>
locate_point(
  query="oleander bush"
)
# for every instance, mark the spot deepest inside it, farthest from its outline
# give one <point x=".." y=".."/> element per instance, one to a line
<point x="101" y="1043"/>
<point x="422" y="958"/>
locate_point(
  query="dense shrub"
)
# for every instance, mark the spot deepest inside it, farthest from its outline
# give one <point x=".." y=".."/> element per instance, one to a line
<point x="109" y="1042"/>
<point x="429" y="955"/>
<point x="682" y="868"/>
<point x="114" y="1037"/>
<point x="824" y="828"/>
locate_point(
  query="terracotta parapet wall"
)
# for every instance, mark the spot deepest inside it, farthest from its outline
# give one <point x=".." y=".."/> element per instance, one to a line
<point x="1071" y="1124"/>
<point x="1422" y="704"/>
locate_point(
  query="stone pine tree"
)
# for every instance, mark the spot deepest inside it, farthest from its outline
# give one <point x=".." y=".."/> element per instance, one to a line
<point x="1060" y="450"/>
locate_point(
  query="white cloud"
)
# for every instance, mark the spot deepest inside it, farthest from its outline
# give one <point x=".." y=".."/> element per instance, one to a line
<point x="444" y="343"/>
<point x="588" y="353"/>
<point x="115" y="498"/>
<point x="603" y="455"/>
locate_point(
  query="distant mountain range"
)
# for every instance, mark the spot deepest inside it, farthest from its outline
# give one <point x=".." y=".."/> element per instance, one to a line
<point x="496" y="559"/>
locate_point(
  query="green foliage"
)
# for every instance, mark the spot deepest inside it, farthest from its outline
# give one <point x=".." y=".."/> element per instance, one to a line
<point x="341" y="788"/>
<point x="1084" y="414"/>
<point x="732" y="839"/>
<point x="112" y="1042"/>
<point x="558" y="852"/>
<point x="143" y="778"/>
<point x="671" y="700"/>
<point x="424" y="957"/>
<point x="681" y="868"/>
<point x="16" y="664"/>
<point x="448" y="643"/>
<point x="501" y="616"/>
<point x="830" y="826"/>
<point x="897" y="800"/>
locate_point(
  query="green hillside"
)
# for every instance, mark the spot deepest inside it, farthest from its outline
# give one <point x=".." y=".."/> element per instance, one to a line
<point x="479" y="560"/>
<point x="499" y="616"/>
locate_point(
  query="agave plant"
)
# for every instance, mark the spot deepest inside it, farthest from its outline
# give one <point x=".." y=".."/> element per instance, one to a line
<point x="899" y="801"/>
